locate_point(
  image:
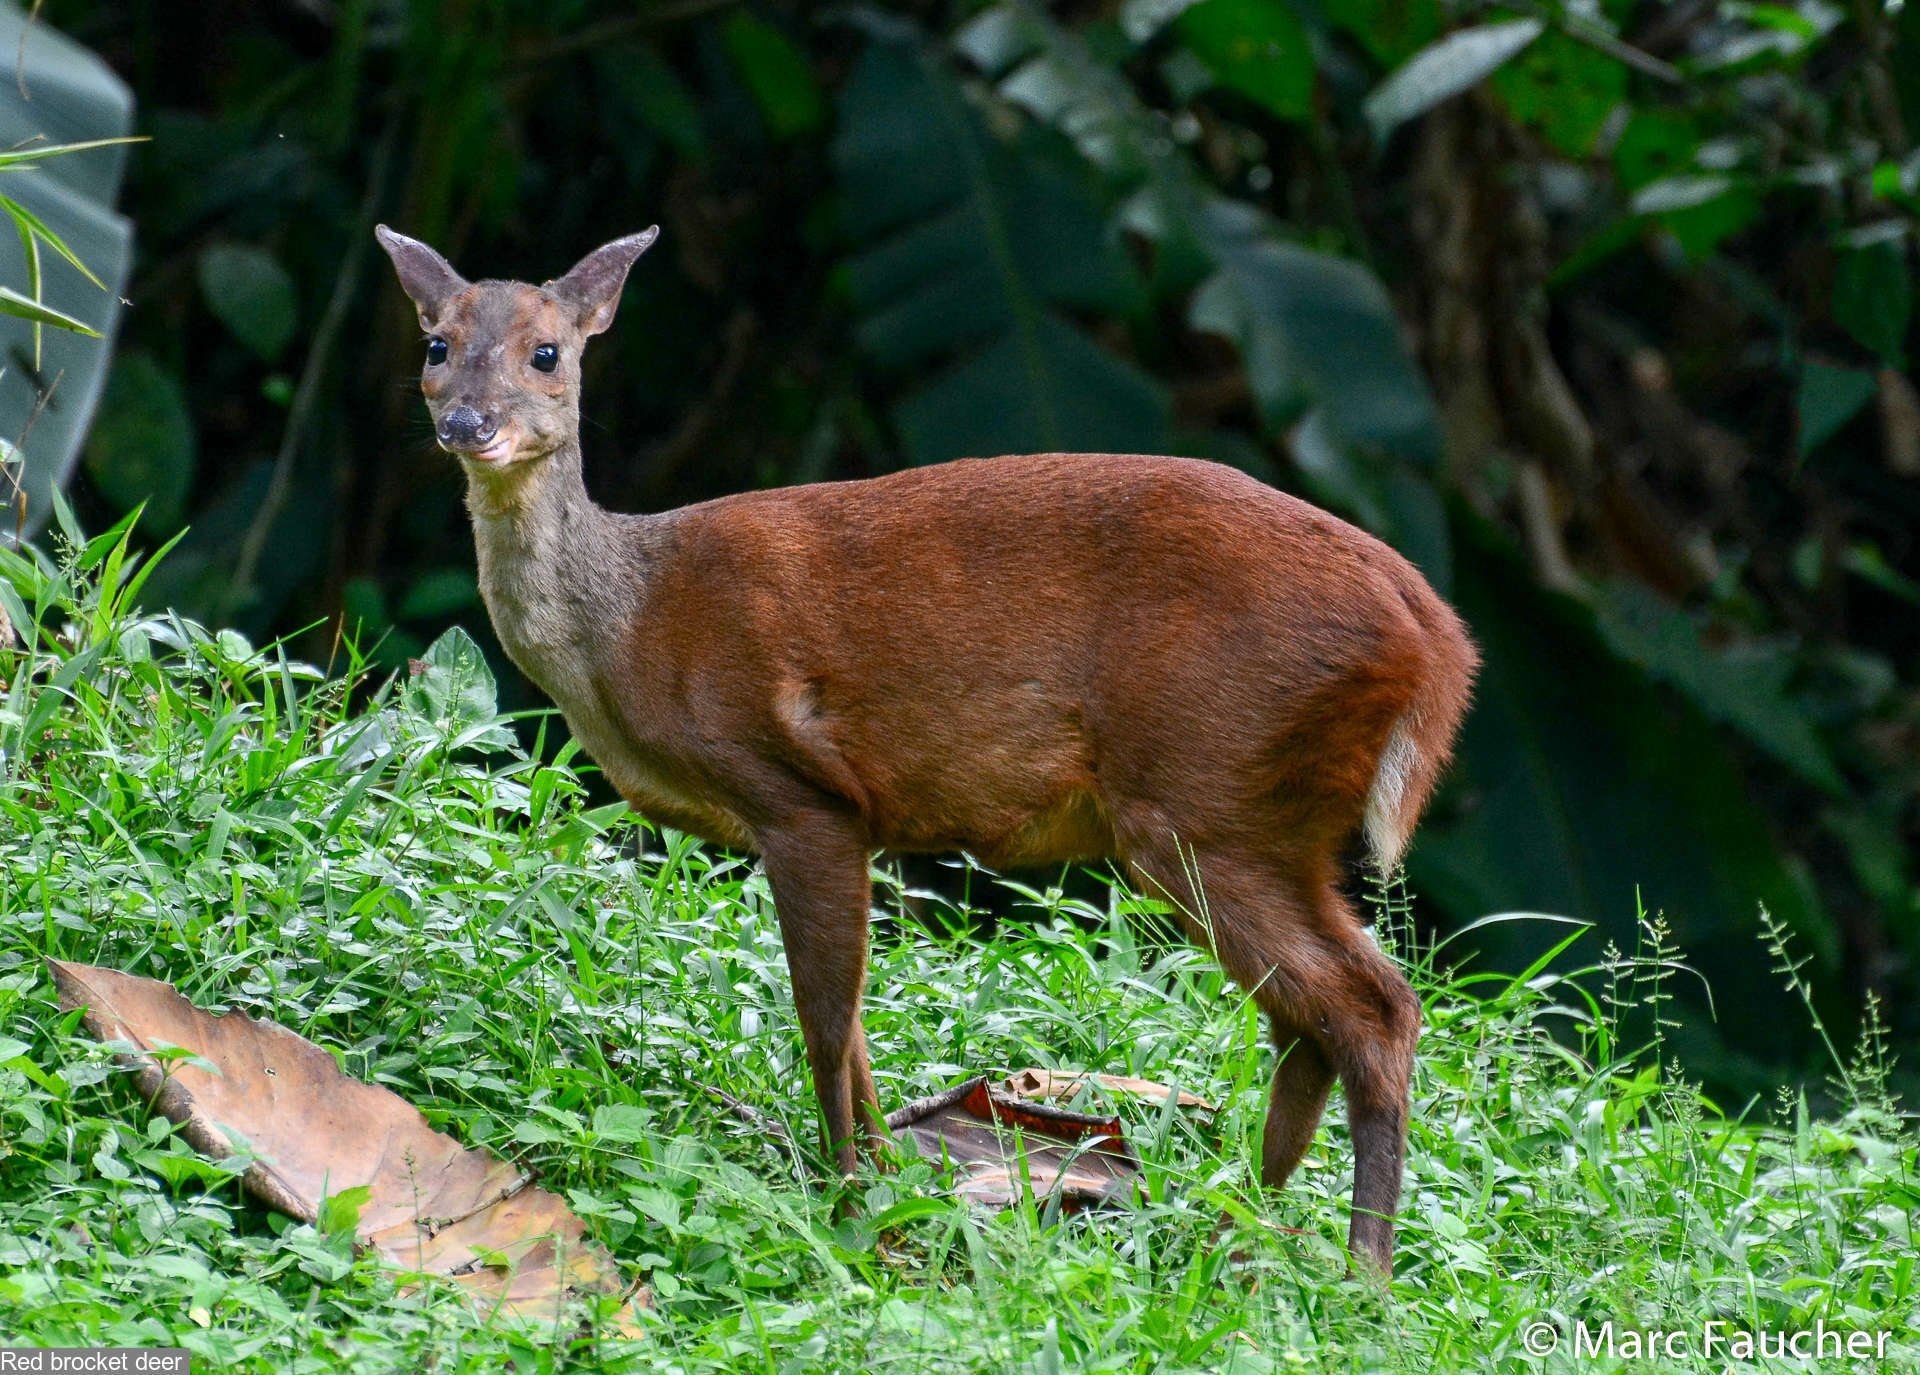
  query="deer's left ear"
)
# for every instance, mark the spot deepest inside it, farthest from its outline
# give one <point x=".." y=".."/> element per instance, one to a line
<point x="593" y="286"/>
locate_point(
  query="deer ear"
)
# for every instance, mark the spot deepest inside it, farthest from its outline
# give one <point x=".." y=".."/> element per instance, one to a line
<point x="593" y="286"/>
<point x="424" y="275"/>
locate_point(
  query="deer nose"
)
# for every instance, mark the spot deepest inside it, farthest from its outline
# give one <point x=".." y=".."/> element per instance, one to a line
<point x="465" y="428"/>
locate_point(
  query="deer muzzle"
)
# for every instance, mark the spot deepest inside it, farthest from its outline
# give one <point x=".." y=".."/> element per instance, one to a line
<point x="465" y="430"/>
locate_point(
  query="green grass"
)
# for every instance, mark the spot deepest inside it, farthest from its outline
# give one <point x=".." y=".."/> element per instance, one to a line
<point x="563" y="986"/>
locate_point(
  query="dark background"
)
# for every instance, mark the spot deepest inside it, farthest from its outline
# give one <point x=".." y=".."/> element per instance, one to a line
<point x="1615" y="345"/>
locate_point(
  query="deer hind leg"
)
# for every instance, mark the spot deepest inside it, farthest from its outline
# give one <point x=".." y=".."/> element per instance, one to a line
<point x="1374" y="1021"/>
<point x="1295" y="1105"/>
<point x="1337" y="1006"/>
<point x="817" y="867"/>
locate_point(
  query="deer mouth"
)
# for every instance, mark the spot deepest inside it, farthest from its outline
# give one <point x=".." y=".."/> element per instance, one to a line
<point x="494" y="451"/>
<point x="500" y="451"/>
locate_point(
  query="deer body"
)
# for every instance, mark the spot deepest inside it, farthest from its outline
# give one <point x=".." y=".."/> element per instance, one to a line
<point x="1033" y="659"/>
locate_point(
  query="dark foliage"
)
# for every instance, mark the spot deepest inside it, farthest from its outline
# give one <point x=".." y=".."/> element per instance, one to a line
<point x="1604" y="316"/>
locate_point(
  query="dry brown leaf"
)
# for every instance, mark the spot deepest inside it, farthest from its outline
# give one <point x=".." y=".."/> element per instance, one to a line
<point x="999" y="1145"/>
<point x="1052" y="1084"/>
<point x="436" y="1208"/>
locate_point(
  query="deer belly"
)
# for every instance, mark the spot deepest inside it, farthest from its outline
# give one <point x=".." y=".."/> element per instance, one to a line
<point x="649" y="787"/>
<point x="1026" y="797"/>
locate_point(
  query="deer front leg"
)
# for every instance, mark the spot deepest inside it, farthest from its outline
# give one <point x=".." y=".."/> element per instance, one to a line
<point x="817" y="866"/>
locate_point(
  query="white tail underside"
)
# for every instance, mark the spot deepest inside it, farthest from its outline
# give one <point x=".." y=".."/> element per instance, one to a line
<point x="1384" y="823"/>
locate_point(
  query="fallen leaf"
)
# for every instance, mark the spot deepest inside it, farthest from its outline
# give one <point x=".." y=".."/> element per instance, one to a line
<point x="998" y="1144"/>
<point x="1055" y="1084"/>
<point x="433" y="1207"/>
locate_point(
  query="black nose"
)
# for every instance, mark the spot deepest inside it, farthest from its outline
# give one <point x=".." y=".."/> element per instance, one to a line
<point x="463" y="427"/>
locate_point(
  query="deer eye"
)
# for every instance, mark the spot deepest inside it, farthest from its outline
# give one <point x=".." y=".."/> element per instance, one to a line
<point x="436" y="352"/>
<point x="546" y="358"/>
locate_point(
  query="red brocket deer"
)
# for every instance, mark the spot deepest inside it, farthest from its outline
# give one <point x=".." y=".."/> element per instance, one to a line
<point x="1034" y="659"/>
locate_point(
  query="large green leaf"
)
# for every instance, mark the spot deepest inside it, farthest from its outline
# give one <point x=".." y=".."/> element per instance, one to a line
<point x="644" y="93"/>
<point x="1051" y="383"/>
<point x="66" y="163"/>
<point x="1257" y="48"/>
<point x="1314" y="330"/>
<point x="970" y="251"/>
<point x="142" y="446"/>
<point x="1873" y="297"/>
<point x="251" y="294"/>
<point x="1578" y="787"/>
<point x="777" y="73"/>
<point x="1827" y="399"/>
<point x="451" y="683"/>
<point x="1743" y="687"/>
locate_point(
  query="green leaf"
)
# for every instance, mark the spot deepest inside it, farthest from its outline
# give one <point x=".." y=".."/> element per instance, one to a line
<point x="1679" y="192"/>
<point x="622" y="1122"/>
<point x="1864" y="560"/>
<point x="1827" y="399"/>
<point x="1000" y="35"/>
<point x="777" y="73"/>
<point x="1315" y="329"/>
<point x="1052" y="390"/>
<point x="969" y="252"/>
<point x="1257" y="48"/>
<point x="30" y="246"/>
<point x="1564" y="89"/>
<point x="142" y="446"/>
<point x="1444" y="69"/>
<point x="40" y="152"/>
<point x="1743" y="688"/>
<point x="1699" y="211"/>
<point x="453" y="687"/>
<point x="340" y="1213"/>
<point x="13" y="303"/>
<point x="31" y="225"/>
<point x="658" y="1205"/>
<point x="1391" y="30"/>
<point x="1384" y="494"/>
<point x="912" y="1210"/>
<point x="1873" y="298"/>
<point x="1656" y="144"/>
<point x="1702" y="228"/>
<point x="251" y="294"/>
<point x="643" y="88"/>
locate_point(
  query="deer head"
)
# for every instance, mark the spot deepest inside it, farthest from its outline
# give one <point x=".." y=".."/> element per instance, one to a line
<point x="502" y="373"/>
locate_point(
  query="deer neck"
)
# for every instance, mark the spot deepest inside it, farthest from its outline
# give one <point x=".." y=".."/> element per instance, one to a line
<point x="559" y="573"/>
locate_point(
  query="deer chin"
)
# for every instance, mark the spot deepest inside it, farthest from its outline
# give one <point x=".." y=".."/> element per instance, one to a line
<point x="495" y="456"/>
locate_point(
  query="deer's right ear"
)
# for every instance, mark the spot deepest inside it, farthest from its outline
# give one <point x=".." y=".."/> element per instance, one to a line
<point x="424" y="275"/>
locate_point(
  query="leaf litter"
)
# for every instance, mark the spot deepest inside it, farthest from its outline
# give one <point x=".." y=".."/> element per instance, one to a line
<point x="426" y="1204"/>
<point x="1005" y="1140"/>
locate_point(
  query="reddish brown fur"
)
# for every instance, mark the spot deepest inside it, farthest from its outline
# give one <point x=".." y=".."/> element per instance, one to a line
<point x="1035" y="659"/>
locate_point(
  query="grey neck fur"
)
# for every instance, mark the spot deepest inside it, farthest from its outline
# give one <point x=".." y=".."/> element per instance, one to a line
<point x="558" y="572"/>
